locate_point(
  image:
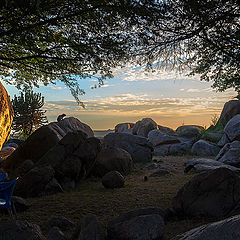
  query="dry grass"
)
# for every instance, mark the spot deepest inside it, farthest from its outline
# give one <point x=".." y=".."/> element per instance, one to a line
<point x="91" y="198"/>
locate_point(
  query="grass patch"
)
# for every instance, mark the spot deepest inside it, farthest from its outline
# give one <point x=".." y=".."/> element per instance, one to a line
<point x="90" y="197"/>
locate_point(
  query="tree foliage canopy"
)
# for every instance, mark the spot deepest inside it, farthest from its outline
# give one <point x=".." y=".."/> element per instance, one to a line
<point x="212" y="38"/>
<point x="45" y="40"/>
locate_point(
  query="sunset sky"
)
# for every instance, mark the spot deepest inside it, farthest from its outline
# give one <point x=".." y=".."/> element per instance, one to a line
<point x="170" y="98"/>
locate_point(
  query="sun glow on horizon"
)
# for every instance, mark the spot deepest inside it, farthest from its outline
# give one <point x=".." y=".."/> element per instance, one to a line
<point x="169" y="99"/>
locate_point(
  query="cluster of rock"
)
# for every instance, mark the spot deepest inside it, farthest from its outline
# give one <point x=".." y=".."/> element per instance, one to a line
<point x="139" y="224"/>
<point x="213" y="193"/>
<point x="143" y="223"/>
<point x="160" y="140"/>
<point x="186" y="139"/>
<point x="140" y="139"/>
<point x="229" y="154"/>
<point x="59" y="154"/>
<point x="23" y="230"/>
<point x="43" y="139"/>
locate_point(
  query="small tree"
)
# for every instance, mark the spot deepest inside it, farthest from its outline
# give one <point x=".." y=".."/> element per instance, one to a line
<point x="28" y="115"/>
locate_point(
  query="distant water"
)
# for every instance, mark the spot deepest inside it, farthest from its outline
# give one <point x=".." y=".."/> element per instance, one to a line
<point x="102" y="133"/>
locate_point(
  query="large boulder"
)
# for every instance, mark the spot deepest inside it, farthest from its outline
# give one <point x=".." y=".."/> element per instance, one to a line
<point x="230" y="109"/>
<point x="20" y="230"/>
<point x="189" y="130"/>
<point x="204" y="164"/>
<point x="232" y="129"/>
<point x="89" y="229"/>
<point x="161" y="150"/>
<point x="124" y="128"/>
<point x="157" y="137"/>
<point x="73" y="157"/>
<point x="230" y="154"/>
<point x="166" y="130"/>
<point x="146" y="227"/>
<point x="205" y="148"/>
<point x="113" y="159"/>
<point x="20" y="204"/>
<point x="6" y="115"/>
<point x="212" y="136"/>
<point x="72" y="124"/>
<point x="179" y="148"/>
<point x="227" y="229"/>
<point x="56" y="234"/>
<point x="34" y="182"/>
<point x="43" y="139"/>
<point x="138" y="224"/>
<point x="52" y="187"/>
<point x="61" y="222"/>
<point x="139" y="147"/>
<point x="171" y="149"/>
<point x="213" y="193"/>
<point x="26" y="166"/>
<point x="224" y="140"/>
<point x="113" y="179"/>
<point x="143" y="127"/>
